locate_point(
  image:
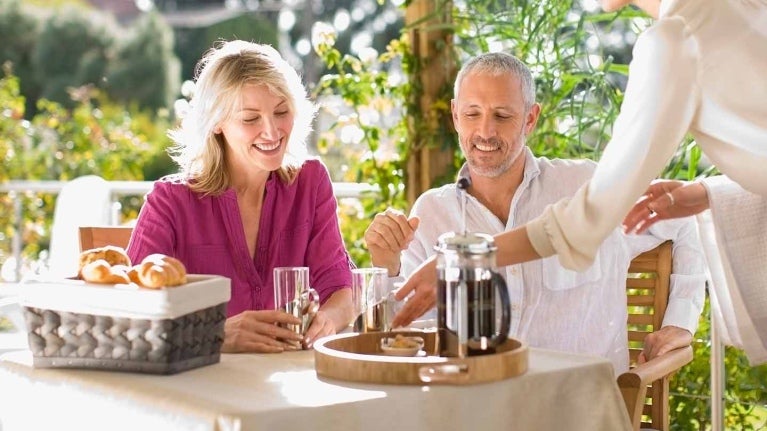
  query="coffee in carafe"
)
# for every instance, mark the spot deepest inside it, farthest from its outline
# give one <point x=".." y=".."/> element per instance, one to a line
<point x="468" y="309"/>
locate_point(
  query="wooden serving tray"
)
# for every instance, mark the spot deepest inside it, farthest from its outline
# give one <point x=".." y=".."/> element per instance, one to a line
<point x="358" y="358"/>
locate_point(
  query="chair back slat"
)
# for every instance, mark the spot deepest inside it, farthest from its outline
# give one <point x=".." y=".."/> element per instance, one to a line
<point x="100" y="236"/>
<point x="641" y="283"/>
<point x="638" y="300"/>
<point x="647" y="288"/>
<point x="642" y="320"/>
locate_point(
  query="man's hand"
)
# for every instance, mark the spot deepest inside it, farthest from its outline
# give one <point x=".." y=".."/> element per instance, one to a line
<point x="423" y="284"/>
<point x="666" y="199"/>
<point x="663" y="341"/>
<point x="256" y="331"/>
<point x="389" y="233"/>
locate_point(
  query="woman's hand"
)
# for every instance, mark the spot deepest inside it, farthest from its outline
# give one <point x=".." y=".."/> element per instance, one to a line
<point x="321" y="326"/>
<point x="334" y="315"/>
<point x="423" y="283"/>
<point x="663" y="200"/>
<point x="256" y="331"/>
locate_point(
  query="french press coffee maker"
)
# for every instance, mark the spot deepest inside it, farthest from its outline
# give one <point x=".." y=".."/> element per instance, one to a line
<point x="467" y="309"/>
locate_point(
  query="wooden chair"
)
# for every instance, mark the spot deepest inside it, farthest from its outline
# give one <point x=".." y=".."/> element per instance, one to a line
<point x="99" y="236"/>
<point x="645" y="387"/>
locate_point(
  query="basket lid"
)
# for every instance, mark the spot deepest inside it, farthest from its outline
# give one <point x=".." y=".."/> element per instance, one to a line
<point x="78" y="296"/>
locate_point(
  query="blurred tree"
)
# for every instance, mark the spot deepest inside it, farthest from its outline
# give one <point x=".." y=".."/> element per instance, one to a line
<point x="53" y="49"/>
<point x="192" y="42"/>
<point x="12" y="129"/>
<point x="145" y="69"/>
<point x="73" y="50"/>
<point x="359" y="25"/>
<point x="95" y="137"/>
<point x="19" y="32"/>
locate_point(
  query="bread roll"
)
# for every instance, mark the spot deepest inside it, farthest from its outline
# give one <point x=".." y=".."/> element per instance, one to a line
<point x="159" y="270"/>
<point x="100" y="271"/>
<point x="110" y="254"/>
<point x="133" y="275"/>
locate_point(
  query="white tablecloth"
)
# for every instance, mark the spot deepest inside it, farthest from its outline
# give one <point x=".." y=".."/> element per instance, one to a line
<point x="282" y="392"/>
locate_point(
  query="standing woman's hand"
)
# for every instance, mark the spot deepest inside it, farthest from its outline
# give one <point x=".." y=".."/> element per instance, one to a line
<point x="257" y="331"/>
<point x="663" y="200"/>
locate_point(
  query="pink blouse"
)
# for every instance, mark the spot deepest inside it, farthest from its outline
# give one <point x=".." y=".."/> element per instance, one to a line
<point x="299" y="227"/>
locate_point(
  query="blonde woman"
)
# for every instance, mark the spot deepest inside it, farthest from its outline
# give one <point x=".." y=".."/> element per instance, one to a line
<point x="247" y="198"/>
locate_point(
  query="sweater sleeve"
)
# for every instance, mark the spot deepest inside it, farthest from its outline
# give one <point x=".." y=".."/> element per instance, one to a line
<point x="658" y="107"/>
<point x="740" y="218"/>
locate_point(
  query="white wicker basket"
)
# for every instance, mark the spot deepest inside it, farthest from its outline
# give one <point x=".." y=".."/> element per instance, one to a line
<point x="73" y="324"/>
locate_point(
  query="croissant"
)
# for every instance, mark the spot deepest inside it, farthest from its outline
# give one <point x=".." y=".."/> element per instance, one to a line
<point x="159" y="270"/>
<point x="110" y="254"/>
<point x="100" y="271"/>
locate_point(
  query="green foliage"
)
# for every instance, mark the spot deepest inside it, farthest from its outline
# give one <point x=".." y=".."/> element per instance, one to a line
<point x="83" y="61"/>
<point x="19" y="32"/>
<point x="363" y="86"/>
<point x="69" y="44"/>
<point x="5" y="324"/>
<point x="11" y="131"/>
<point x="745" y="391"/>
<point x="575" y="85"/>
<point x="94" y="137"/>
<point x="145" y="68"/>
<point x="192" y="42"/>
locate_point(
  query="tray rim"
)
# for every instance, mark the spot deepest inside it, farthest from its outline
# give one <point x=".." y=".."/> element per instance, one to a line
<point x="516" y="359"/>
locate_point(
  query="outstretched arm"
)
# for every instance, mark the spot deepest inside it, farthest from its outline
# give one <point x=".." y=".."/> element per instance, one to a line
<point x="513" y="246"/>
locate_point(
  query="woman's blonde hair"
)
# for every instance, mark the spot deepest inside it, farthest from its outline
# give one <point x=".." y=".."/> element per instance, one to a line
<point x="221" y="74"/>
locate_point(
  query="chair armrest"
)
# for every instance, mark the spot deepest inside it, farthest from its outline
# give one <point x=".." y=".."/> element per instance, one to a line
<point x="633" y="383"/>
<point x="656" y="368"/>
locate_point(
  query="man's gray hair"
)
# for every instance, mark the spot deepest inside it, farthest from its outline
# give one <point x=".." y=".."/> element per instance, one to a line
<point x="498" y="63"/>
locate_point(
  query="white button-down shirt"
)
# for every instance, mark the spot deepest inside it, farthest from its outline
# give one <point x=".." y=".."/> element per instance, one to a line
<point x="552" y="307"/>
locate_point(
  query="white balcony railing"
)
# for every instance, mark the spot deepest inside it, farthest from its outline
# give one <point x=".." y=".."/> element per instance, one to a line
<point x="17" y="189"/>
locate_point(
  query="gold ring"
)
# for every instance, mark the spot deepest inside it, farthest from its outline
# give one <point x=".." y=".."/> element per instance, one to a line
<point x="670" y="198"/>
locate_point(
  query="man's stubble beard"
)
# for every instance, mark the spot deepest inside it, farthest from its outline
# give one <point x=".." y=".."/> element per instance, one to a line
<point x="500" y="168"/>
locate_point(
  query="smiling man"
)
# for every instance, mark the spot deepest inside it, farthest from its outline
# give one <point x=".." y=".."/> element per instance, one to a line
<point x="494" y="111"/>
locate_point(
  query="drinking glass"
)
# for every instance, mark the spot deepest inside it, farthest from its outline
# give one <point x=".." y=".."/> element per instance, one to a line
<point x="293" y="295"/>
<point x="372" y="303"/>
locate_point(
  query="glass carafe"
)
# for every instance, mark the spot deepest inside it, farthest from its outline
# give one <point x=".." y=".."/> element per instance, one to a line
<point x="473" y="306"/>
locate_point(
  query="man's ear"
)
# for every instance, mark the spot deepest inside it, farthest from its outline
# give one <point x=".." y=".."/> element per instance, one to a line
<point x="532" y="118"/>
